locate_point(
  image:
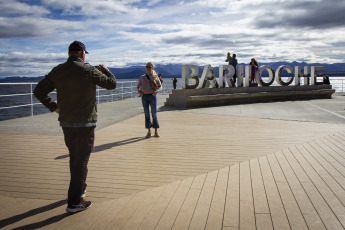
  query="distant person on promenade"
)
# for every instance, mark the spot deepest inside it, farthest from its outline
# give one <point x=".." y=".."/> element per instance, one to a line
<point x="174" y="82"/>
<point x="254" y="68"/>
<point x="148" y="84"/>
<point x="233" y="62"/>
<point x="228" y="58"/>
<point x="75" y="83"/>
<point x="326" y="80"/>
<point x="160" y="78"/>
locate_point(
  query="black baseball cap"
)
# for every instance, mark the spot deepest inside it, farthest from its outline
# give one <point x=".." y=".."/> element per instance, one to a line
<point x="77" y="46"/>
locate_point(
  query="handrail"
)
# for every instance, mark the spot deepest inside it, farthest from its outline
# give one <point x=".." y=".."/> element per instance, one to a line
<point x="13" y="95"/>
<point x="17" y="106"/>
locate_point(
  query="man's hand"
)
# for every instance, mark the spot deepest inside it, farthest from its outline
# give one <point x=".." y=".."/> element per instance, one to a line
<point x="102" y="68"/>
<point x="57" y="110"/>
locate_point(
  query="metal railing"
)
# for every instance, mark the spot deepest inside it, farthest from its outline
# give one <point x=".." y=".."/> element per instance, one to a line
<point x="20" y="94"/>
<point x="125" y="89"/>
<point x="338" y="84"/>
<point x="12" y="94"/>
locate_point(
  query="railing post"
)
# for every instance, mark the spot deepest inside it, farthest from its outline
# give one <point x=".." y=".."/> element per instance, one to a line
<point x="97" y="94"/>
<point x="32" y="101"/>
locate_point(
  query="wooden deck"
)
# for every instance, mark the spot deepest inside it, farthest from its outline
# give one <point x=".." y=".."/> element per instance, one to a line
<point x="204" y="172"/>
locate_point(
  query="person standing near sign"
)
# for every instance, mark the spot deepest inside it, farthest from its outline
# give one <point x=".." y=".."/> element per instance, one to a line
<point x="228" y="58"/>
<point x="75" y="83"/>
<point x="174" y="82"/>
<point x="254" y="68"/>
<point x="233" y="62"/>
<point x="148" y="84"/>
<point x="326" y="80"/>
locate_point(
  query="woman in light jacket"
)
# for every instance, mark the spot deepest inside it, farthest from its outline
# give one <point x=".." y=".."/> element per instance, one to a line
<point x="148" y="84"/>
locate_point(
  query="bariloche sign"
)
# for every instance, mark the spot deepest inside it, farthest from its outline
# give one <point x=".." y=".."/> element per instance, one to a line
<point x="190" y="76"/>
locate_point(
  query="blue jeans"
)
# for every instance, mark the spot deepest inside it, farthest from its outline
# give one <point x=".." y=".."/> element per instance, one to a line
<point x="147" y="100"/>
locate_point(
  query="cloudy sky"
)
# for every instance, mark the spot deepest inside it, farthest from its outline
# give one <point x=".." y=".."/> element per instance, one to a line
<point x="35" y="34"/>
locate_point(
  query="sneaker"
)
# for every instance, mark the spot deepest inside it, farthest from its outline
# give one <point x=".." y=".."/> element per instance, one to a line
<point x="79" y="207"/>
<point x="148" y="135"/>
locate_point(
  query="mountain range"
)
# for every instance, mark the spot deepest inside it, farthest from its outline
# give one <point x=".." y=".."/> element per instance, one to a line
<point x="174" y="70"/>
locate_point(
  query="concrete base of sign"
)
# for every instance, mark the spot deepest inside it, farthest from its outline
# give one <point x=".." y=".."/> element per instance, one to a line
<point x="188" y="98"/>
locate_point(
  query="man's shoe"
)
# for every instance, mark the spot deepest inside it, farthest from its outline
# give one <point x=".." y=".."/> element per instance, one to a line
<point x="79" y="207"/>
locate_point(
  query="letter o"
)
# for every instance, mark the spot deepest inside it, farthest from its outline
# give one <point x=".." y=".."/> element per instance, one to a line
<point x="270" y="74"/>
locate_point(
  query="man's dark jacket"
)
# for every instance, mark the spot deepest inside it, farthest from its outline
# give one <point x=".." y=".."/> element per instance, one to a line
<point x="75" y="83"/>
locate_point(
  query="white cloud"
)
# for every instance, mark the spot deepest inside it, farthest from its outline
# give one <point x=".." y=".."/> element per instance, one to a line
<point x="27" y="27"/>
<point x="14" y="7"/>
<point x="88" y="8"/>
<point x="153" y="2"/>
<point x="29" y="64"/>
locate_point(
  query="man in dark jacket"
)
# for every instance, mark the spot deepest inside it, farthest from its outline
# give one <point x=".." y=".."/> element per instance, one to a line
<point x="233" y="62"/>
<point x="75" y="83"/>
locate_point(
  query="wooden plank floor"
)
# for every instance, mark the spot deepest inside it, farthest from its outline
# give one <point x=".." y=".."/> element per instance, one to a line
<point x="204" y="172"/>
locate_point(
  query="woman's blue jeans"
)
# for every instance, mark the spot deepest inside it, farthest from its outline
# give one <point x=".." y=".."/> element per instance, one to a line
<point x="150" y="100"/>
